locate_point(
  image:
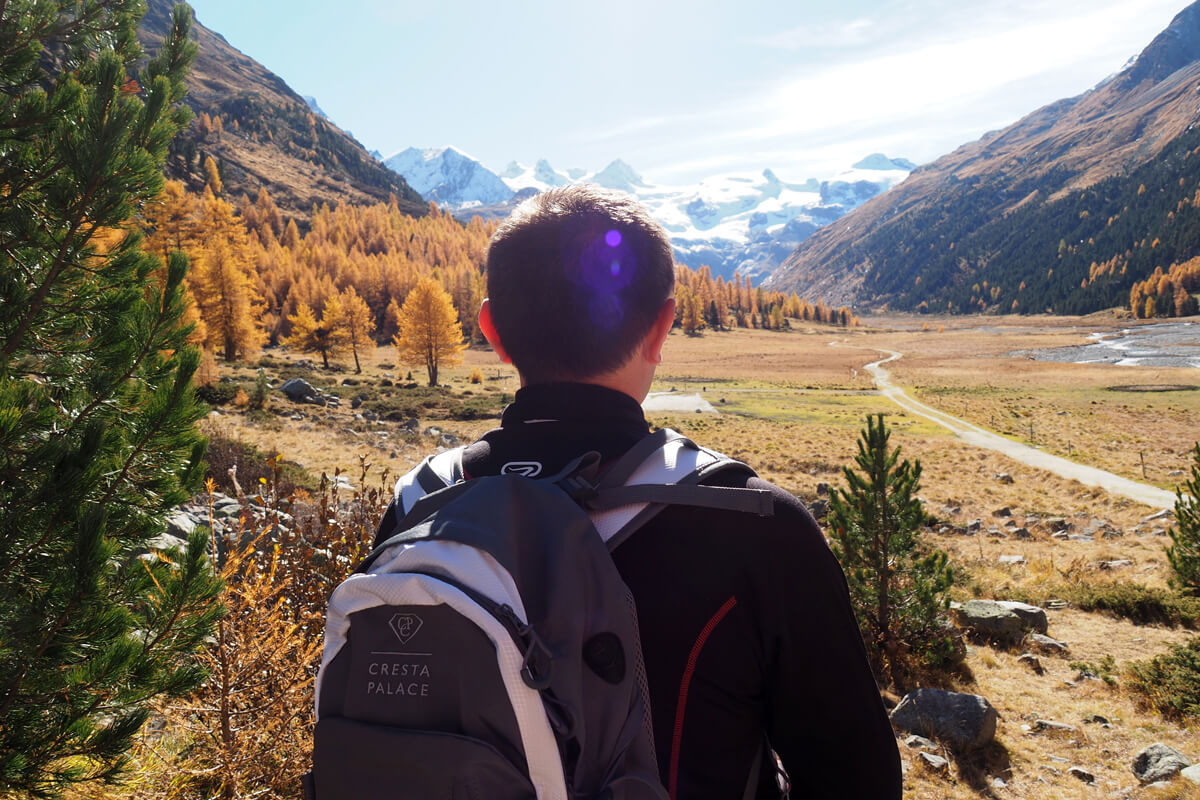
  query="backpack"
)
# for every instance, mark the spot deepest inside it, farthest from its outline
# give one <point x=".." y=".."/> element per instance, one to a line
<point x="488" y="649"/>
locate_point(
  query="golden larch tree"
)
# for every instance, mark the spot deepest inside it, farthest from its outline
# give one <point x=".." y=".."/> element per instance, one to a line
<point x="430" y="333"/>
<point x="350" y="317"/>
<point x="311" y="336"/>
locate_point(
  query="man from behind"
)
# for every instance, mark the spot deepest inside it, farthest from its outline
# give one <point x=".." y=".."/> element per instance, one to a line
<point x="749" y="640"/>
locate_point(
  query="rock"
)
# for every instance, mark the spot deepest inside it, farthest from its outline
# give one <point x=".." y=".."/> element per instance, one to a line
<point x="916" y="742"/>
<point x="180" y="524"/>
<point x="1166" y="512"/>
<point x="934" y="762"/>
<point x="1080" y="537"/>
<point x="370" y="416"/>
<point x="974" y="525"/>
<point x="298" y="390"/>
<point x="411" y="424"/>
<point x="819" y="508"/>
<point x="1096" y="719"/>
<point x="1050" y="726"/>
<point x="1012" y="560"/>
<point x="1003" y="477"/>
<point x="350" y="381"/>
<point x="356" y="401"/>
<point x="164" y="541"/>
<point x="1058" y="524"/>
<point x="433" y="431"/>
<point x="990" y="620"/>
<point x="1117" y="563"/>
<point x="448" y="440"/>
<point x="1033" y="662"/>
<point x="1158" y="762"/>
<point x="1082" y="774"/>
<point x="1175" y="473"/>
<point x="963" y="721"/>
<point x="1033" y="617"/>
<point x="1191" y="773"/>
<point x="1002" y="512"/>
<point x="1044" y="644"/>
<point x="1022" y="533"/>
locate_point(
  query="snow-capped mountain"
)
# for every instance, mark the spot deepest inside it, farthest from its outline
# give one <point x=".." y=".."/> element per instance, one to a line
<point x="449" y="177"/>
<point x="740" y="223"/>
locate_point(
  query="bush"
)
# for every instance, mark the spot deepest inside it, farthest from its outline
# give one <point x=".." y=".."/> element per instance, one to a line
<point x="1170" y="683"/>
<point x="217" y="394"/>
<point x="1143" y="605"/>
<point x="1184" y="551"/>
<point x="252" y="464"/>
<point x="476" y="375"/>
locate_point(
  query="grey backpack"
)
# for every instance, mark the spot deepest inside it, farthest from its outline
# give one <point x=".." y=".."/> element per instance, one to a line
<point x="488" y="649"/>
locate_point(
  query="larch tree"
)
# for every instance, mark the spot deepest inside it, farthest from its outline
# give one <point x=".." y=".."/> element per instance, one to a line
<point x="351" y="318"/>
<point x="97" y="416"/>
<point x="429" y="330"/>
<point x="310" y="336"/>
<point x="223" y="284"/>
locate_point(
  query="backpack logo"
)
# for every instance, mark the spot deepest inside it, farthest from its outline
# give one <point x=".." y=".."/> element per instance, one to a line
<point x="405" y="626"/>
<point x="528" y="469"/>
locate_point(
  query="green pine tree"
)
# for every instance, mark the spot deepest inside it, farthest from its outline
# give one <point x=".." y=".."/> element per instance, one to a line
<point x="899" y="589"/>
<point x="97" y="415"/>
<point x="1184" y="551"/>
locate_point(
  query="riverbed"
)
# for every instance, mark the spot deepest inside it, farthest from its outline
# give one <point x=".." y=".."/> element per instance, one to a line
<point x="1166" y="344"/>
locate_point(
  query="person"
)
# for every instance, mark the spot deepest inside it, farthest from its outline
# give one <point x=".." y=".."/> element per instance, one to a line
<point x="749" y="641"/>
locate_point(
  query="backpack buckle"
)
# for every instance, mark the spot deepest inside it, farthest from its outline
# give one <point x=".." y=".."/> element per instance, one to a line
<point x="579" y="489"/>
<point x="537" y="665"/>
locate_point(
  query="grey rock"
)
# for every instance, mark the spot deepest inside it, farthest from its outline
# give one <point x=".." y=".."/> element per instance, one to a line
<point x="298" y="390"/>
<point x="1022" y="533"/>
<point x="1058" y="524"/>
<point x="934" y="762"/>
<point x="1003" y="477"/>
<point x="916" y="742"/>
<point x="974" y="525"/>
<point x="1082" y="774"/>
<point x="433" y="430"/>
<point x="990" y="620"/>
<point x="1096" y="719"/>
<point x="180" y="524"/>
<point x="1044" y="644"/>
<point x="1011" y="560"/>
<point x="448" y="440"/>
<point x="165" y="541"/>
<point x="1118" y="563"/>
<point x="356" y="401"/>
<point x="1002" y="512"/>
<point x="1080" y="537"/>
<point x="1033" y="617"/>
<point x="822" y="489"/>
<point x="1166" y="512"/>
<point x="819" y="508"/>
<point x="1158" y="762"/>
<point x="963" y="721"/>
<point x="1050" y="726"/>
<point x="1191" y="773"/>
<point x="1033" y="662"/>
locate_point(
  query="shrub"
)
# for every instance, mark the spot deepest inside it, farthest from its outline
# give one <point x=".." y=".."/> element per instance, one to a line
<point x="476" y="375"/>
<point x="1140" y="604"/>
<point x="217" y="394"/>
<point x="1170" y="683"/>
<point x="225" y="452"/>
<point x="1184" y="551"/>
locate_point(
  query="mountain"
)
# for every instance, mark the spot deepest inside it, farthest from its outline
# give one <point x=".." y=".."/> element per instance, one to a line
<point x="1047" y="214"/>
<point x="733" y="223"/>
<point x="449" y="177"/>
<point x="268" y="136"/>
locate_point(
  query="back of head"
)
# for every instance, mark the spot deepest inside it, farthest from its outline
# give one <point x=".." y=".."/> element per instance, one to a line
<point x="576" y="277"/>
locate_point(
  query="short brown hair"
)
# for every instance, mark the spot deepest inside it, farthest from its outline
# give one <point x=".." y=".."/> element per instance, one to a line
<point x="576" y="277"/>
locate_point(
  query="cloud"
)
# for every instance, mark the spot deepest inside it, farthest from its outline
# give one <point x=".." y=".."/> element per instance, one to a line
<point x="851" y="33"/>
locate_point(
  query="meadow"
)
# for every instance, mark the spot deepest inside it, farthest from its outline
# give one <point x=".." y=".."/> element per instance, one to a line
<point x="792" y="403"/>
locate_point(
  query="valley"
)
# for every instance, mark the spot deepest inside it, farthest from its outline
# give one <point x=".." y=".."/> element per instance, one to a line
<point x="792" y="405"/>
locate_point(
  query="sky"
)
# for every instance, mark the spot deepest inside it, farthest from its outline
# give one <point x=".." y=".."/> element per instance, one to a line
<point x="685" y="89"/>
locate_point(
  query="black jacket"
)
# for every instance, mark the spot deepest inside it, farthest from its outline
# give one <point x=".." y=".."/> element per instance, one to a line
<point x="745" y="621"/>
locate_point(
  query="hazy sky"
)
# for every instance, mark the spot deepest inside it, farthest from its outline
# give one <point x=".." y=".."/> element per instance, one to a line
<point x="682" y="90"/>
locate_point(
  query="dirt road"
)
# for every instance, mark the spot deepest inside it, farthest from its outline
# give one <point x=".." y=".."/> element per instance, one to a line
<point x="972" y="434"/>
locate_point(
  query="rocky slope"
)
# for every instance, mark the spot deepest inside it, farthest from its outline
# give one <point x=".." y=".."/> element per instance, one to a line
<point x="268" y="136"/>
<point x="1054" y="154"/>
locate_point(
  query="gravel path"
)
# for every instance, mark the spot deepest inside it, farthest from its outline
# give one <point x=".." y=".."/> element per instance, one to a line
<point x="973" y="434"/>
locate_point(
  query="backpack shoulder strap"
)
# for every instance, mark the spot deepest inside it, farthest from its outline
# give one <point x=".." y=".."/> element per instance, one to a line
<point x="434" y="473"/>
<point x="666" y="468"/>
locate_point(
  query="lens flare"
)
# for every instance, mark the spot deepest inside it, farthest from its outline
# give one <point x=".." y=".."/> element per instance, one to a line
<point x="613" y="238"/>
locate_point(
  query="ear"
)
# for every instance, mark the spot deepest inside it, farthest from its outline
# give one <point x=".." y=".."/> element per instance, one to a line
<point x="657" y="337"/>
<point x="489" y="331"/>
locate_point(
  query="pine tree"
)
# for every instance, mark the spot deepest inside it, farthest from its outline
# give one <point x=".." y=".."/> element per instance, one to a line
<point x="429" y="330"/>
<point x="97" y="415"/>
<point x="899" y="589"/>
<point x="1184" y="551"/>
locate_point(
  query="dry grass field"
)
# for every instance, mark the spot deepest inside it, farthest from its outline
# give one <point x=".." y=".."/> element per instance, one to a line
<point x="792" y="405"/>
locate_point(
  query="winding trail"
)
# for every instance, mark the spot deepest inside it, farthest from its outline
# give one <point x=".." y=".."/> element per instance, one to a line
<point x="973" y="434"/>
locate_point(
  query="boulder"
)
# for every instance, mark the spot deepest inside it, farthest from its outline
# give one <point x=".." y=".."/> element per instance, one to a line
<point x="1050" y="726"/>
<point x="934" y="762"/>
<point x="1022" y="533"/>
<point x="180" y="524"/>
<point x="963" y="721"/>
<point x="298" y="390"/>
<point x="1033" y="662"/>
<point x="1033" y="617"/>
<point x="1082" y="774"/>
<point x="916" y="742"/>
<point x="1191" y="774"/>
<point x="1158" y="762"/>
<point x="1044" y="644"/>
<point x="990" y="620"/>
